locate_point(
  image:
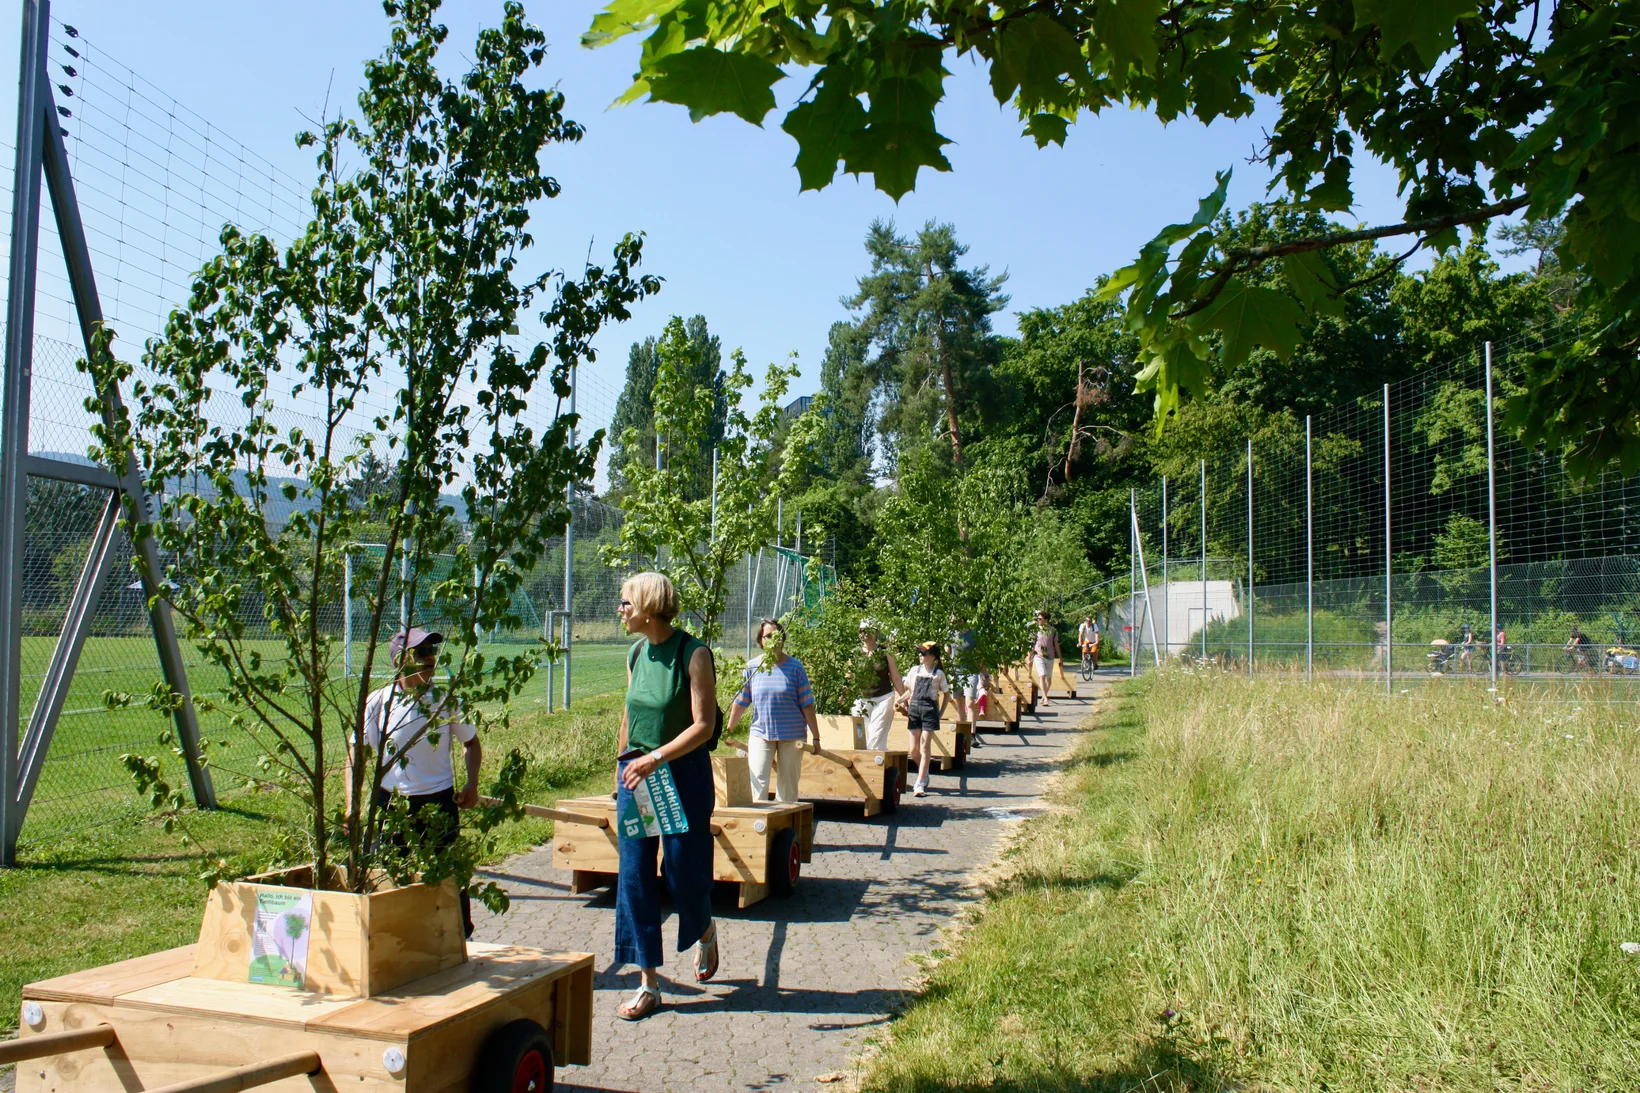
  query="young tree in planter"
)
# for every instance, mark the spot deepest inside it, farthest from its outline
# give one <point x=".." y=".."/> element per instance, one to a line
<point x="693" y="539"/>
<point x="388" y="317"/>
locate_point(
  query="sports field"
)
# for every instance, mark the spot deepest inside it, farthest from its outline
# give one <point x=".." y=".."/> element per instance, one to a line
<point x="84" y="784"/>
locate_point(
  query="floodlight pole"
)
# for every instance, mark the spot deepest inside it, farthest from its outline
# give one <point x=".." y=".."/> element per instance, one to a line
<point x="1492" y="519"/>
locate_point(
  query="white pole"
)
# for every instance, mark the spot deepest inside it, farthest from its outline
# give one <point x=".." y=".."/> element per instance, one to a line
<point x="1492" y="518"/>
<point x="1389" y="567"/>
<point x="347" y="616"/>
<point x="714" y="493"/>
<point x="1309" y="556"/>
<point x="1204" y="562"/>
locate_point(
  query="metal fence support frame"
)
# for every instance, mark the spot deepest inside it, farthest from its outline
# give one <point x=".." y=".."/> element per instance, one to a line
<point x="1249" y="555"/>
<point x="1492" y="521"/>
<point x="1144" y="577"/>
<point x="1133" y="580"/>
<point x="1204" y="561"/>
<point x="1309" y="556"/>
<point x="1389" y="564"/>
<point x="41" y="155"/>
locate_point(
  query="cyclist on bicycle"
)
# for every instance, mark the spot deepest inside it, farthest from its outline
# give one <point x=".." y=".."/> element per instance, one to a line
<point x="1087" y="636"/>
<point x="1577" y="648"/>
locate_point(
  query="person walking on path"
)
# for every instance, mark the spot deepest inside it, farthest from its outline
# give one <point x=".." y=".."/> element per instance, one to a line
<point x="671" y="713"/>
<point x="777" y="691"/>
<point x="1045" y="653"/>
<point x="924" y="700"/>
<point x="408" y="725"/>
<point x="877" y="704"/>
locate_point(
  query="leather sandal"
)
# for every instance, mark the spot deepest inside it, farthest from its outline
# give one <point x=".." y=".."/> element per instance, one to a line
<point x="642" y="1004"/>
<point x="706" y="957"/>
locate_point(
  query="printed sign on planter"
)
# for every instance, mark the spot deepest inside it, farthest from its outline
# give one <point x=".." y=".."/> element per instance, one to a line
<point x="279" y="938"/>
<point x="654" y="808"/>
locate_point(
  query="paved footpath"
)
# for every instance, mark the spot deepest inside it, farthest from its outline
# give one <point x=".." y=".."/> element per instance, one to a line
<point x="803" y="980"/>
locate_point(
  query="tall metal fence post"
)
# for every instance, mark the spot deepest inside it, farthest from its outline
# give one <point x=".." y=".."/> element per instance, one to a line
<point x="347" y="616"/>
<point x="1389" y="564"/>
<point x="1249" y="555"/>
<point x="1309" y="556"/>
<point x="14" y="412"/>
<point x="569" y="551"/>
<point x="1133" y="580"/>
<point x="1492" y="519"/>
<point x="1167" y="591"/>
<point x="1204" y="561"/>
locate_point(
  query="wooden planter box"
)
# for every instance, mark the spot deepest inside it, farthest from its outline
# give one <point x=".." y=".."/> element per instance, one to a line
<point x="1003" y="710"/>
<point x="360" y="945"/>
<point x="751" y="847"/>
<point x="872" y="779"/>
<point x="949" y="750"/>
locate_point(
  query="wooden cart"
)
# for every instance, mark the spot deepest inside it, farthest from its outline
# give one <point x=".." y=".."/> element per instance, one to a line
<point x="760" y="847"/>
<point x="952" y="740"/>
<point x="1001" y="713"/>
<point x="873" y="779"/>
<point x="1017" y="681"/>
<point x="496" y="1023"/>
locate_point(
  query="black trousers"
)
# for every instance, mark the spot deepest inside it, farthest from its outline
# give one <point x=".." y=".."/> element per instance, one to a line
<point x="423" y="806"/>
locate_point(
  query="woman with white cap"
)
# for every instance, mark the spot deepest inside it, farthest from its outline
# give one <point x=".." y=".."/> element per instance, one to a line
<point x="877" y="704"/>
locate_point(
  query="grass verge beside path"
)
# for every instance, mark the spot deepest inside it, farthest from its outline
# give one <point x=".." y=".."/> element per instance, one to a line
<point x="1256" y="884"/>
<point x="121" y="891"/>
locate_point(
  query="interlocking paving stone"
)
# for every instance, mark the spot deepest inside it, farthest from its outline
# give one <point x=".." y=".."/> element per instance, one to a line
<point x="802" y="981"/>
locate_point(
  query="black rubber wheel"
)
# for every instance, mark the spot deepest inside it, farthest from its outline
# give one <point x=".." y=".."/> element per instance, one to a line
<point x="517" y="1058"/>
<point x="785" y="863"/>
<point x="891" y="790"/>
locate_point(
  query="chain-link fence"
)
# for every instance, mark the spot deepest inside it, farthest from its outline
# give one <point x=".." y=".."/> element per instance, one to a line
<point x="1399" y="538"/>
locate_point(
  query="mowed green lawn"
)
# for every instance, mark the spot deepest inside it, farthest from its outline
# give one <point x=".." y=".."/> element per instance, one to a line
<point x="1263" y="885"/>
<point x="83" y="782"/>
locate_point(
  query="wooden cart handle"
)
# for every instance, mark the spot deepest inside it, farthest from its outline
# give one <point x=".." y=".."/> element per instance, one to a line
<point x="55" y="1043"/>
<point x="558" y="814"/>
<point x="249" y="1076"/>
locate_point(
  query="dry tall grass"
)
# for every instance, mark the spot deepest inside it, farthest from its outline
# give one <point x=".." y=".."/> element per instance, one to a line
<point x="1310" y="887"/>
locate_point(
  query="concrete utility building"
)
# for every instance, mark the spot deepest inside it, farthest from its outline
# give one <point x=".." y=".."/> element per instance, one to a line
<point x="1171" y="617"/>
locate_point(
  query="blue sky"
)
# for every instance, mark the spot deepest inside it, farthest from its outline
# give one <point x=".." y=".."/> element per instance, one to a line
<point x="726" y="226"/>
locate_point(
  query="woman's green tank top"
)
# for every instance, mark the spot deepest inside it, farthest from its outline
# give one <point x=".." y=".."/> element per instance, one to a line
<point x="657" y="702"/>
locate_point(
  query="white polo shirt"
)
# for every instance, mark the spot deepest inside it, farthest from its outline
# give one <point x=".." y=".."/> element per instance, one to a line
<point x="413" y="763"/>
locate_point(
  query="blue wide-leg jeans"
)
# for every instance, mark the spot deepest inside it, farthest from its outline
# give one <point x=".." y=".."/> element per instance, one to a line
<point x="688" y="870"/>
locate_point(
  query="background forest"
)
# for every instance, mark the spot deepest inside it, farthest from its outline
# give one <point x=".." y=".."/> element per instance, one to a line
<point x="917" y="381"/>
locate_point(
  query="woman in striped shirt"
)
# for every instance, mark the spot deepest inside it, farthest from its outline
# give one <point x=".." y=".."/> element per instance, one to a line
<point x="778" y="694"/>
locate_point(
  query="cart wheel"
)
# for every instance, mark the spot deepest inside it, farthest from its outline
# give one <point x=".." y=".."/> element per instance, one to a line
<point x="785" y="863"/>
<point x="891" y="791"/>
<point x="517" y="1058"/>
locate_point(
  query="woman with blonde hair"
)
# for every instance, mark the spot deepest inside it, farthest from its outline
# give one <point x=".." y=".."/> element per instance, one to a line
<point x="671" y="713"/>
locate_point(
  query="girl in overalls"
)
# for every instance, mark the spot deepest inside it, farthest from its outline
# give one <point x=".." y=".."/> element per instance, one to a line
<point x="923" y="702"/>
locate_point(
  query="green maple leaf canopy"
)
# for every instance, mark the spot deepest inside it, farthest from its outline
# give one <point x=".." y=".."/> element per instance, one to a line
<point x="1247" y="315"/>
<point x="712" y="81"/>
